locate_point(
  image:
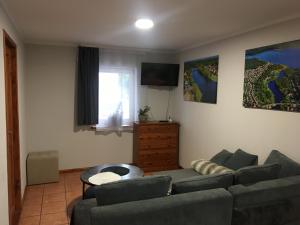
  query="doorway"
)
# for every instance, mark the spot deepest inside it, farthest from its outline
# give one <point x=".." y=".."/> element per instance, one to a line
<point x="12" y="129"/>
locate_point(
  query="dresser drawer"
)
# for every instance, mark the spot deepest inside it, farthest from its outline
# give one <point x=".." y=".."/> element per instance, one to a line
<point x="156" y="129"/>
<point x="163" y="163"/>
<point x="145" y="144"/>
<point x="155" y="146"/>
<point x="161" y="136"/>
<point x="157" y="155"/>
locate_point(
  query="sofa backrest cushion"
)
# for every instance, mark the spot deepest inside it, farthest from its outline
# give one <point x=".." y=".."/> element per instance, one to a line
<point x="241" y="159"/>
<point x="288" y="166"/>
<point x="133" y="190"/>
<point x="178" y="174"/>
<point x="206" y="167"/>
<point x="212" y="207"/>
<point x="265" y="192"/>
<point x="253" y="174"/>
<point x="221" y="157"/>
<point x="204" y="182"/>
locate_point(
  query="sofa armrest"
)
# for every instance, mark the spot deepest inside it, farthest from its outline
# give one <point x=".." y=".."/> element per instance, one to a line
<point x="82" y="211"/>
<point x="265" y="192"/>
<point x="213" y="207"/>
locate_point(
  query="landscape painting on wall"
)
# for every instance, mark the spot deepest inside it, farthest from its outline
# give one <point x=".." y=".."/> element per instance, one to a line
<point x="272" y="77"/>
<point x="201" y="80"/>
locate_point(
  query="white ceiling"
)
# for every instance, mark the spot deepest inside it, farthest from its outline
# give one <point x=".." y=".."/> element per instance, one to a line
<point x="179" y="24"/>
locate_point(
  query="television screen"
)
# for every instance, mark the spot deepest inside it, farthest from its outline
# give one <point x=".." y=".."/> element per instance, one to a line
<point x="158" y="74"/>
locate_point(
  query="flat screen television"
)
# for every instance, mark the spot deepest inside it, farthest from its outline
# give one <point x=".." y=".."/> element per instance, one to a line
<point x="159" y="74"/>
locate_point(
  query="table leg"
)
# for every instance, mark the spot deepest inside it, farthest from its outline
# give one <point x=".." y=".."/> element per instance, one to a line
<point x="83" y="191"/>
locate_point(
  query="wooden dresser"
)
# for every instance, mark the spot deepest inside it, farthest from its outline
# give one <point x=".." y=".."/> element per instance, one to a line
<point x="156" y="145"/>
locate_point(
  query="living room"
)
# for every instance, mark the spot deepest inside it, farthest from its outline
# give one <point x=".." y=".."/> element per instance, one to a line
<point x="47" y="36"/>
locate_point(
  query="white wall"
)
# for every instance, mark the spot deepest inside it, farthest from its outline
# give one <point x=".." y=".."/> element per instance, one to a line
<point x="208" y="128"/>
<point x="50" y="80"/>
<point x="158" y="97"/>
<point x="7" y="25"/>
<point x="205" y="128"/>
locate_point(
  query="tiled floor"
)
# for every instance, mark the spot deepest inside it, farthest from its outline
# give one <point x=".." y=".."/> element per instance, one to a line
<point x="51" y="204"/>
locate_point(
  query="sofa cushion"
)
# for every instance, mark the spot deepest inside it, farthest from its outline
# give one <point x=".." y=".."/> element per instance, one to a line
<point x="288" y="166"/>
<point x="241" y="159"/>
<point x="177" y="175"/>
<point x="211" y="207"/>
<point x="265" y="192"/>
<point x="221" y="157"/>
<point x="254" y="174"/>
<point x="204" y="182"/>
<point x="133" y="190"/>
<point x="206" y="167"/>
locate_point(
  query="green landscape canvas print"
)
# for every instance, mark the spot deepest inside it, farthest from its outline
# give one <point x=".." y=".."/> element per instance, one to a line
<point x="272" y="77"/>
<point x="201" y="80"/>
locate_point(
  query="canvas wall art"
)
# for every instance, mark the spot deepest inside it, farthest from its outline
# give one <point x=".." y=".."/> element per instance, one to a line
<point x="272" y="77"/>
<point x="201" y="80"/>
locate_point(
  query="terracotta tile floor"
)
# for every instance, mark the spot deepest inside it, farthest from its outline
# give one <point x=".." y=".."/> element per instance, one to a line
<point x="51" y="204"/>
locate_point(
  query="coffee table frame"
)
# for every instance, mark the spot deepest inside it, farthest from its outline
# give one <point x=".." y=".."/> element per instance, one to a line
<point x="134" y="172"/>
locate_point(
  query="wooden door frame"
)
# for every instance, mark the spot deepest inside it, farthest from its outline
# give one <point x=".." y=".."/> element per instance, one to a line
<point x="12" y="116"/>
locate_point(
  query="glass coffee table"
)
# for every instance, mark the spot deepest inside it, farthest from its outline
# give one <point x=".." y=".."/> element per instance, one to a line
<point x="125" y="171"/>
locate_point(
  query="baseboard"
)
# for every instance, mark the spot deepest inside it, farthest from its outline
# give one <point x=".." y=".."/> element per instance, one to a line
<point x="73" y="170"/>
<point x="85" y="168"/>
<point x="81" y="169"/>
<point x="22" y="202"/>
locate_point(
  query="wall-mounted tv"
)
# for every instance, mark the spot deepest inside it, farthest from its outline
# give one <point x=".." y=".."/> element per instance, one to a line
<point x="159" y="74"/>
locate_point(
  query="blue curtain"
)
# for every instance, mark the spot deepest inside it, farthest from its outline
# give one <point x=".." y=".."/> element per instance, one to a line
<point x="87" y="86"/>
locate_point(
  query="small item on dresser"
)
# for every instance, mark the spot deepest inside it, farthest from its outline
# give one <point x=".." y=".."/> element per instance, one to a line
<point x="143" y="113"/>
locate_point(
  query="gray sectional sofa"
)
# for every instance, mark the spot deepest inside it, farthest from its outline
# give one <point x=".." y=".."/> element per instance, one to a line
<point x="145" y="201"/>
<point x="267" y="194"/>
<point x="171" y="210"/>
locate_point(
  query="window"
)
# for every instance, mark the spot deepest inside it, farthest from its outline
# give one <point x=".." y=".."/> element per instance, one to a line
<point x="116" y="97"/>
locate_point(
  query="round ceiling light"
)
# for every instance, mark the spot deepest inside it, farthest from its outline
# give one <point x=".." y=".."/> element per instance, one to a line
<point x="144" y="24"/>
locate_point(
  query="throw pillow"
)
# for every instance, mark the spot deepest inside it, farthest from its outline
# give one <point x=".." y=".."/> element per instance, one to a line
<point x="254" y="174"/>
<point x="241" y="159"/>
<point x="206" y="167"/>
<point x="133" y="190"/>
<point x="221" y="157"/>
<point x="288" y="166"/>
<point x="205" y="182"/>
